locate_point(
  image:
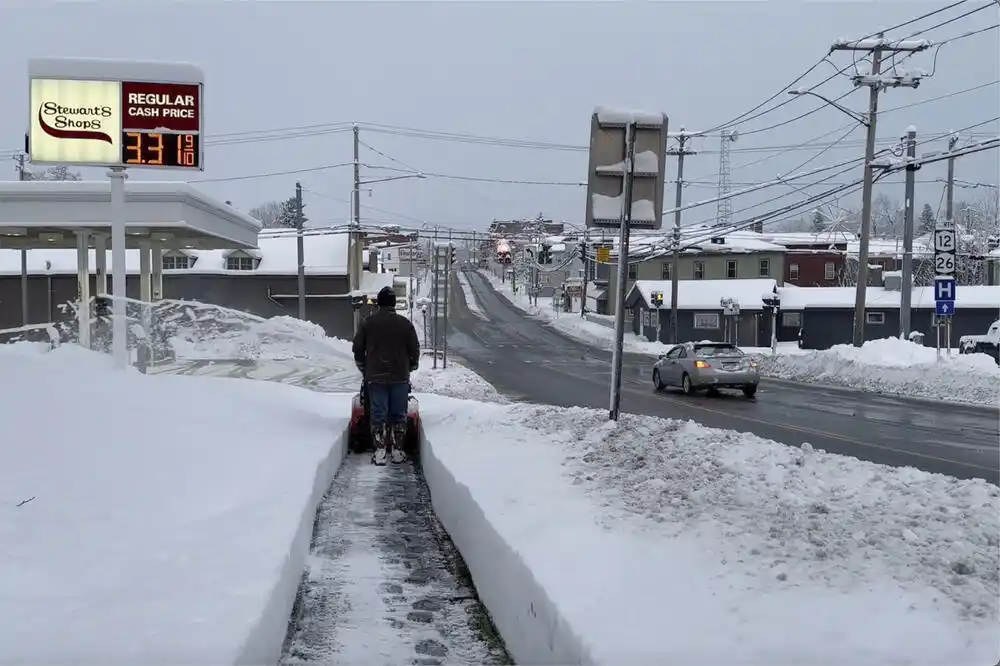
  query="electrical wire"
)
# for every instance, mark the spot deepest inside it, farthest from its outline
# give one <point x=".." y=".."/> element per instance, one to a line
<point x="917" y="19"/>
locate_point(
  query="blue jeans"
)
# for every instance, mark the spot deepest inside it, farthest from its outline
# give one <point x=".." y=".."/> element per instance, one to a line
<point x="388" y="402"/>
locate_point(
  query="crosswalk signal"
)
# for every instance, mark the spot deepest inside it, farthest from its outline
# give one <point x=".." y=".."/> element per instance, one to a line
<point x="657" y="299"/>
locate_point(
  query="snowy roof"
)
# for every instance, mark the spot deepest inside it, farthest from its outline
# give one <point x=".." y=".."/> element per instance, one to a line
<point x="888" y="247"/>
<point x="325" y="254"/>
<point x="799" y="298"/>
<point x="660" y="243"/>
<point x="706" y="294"/>
<point x="819" y="239"/>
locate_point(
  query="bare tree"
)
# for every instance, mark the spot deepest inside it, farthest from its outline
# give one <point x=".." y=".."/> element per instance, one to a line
<point x="275" y="214"/>
<point x="887" y="216"/>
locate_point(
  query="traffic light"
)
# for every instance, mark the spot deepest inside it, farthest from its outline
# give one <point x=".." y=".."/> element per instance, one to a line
<point x="454" y="254"/>
<point x="545" y="254"/>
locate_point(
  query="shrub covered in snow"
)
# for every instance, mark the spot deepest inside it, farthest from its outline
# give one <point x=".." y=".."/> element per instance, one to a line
<point x="894" y="366"/>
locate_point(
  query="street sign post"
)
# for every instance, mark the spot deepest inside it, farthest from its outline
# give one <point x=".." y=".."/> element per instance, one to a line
<point x="945" y="265"/>
<point x="625" y="190"/>
<point x="116" y="114"/>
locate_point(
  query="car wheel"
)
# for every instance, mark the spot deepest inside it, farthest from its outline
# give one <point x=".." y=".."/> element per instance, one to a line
<point x="657" y="382"/>
<point x="750" y="390"/>
<point x="687" y="385"/>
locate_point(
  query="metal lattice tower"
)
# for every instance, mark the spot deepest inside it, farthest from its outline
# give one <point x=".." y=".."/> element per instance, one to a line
<point x="725" y="208"/>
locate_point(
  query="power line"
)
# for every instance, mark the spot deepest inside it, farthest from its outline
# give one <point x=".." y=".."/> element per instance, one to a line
<point x="919" y="18"/>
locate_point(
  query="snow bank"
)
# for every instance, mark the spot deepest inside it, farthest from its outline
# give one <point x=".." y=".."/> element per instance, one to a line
<point x="470" y="298"/>
<point x="128" y="537"/>
<point x="531" y="624"/>
<point x="582" y="536"/>
<point x="455" y="381"/>
<point x="894" y="366"/>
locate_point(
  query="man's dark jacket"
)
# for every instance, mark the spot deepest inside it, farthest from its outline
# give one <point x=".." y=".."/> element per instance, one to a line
<point x="386" y="347"/>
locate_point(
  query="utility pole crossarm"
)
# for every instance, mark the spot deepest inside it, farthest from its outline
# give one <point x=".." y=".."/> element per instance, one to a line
<point x="872" y="43"/>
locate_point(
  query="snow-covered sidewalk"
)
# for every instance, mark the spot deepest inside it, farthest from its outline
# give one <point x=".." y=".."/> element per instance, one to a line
<point x="470" y="298"/>
<point x="890" y="366"/>
<point x="148" y="519"/>
<point x="658" y="541"/>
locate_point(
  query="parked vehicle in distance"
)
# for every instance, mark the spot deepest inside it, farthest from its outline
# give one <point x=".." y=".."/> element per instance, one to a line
<point x="982" y="344"/>
<point x="706" y="366"/>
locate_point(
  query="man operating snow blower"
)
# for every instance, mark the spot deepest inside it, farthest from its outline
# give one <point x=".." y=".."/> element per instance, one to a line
<point x="386" y="350"/>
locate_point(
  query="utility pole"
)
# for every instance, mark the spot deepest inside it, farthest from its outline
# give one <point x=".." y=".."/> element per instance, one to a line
<point x="950" y="205"/>
<point x="354" y="237"/>
<point x="24" y="253"/>
<point x="411" y="289"/>
<point x="300" y="243"/>
<point x="906" y="288"/>
<point x="878" y="47"/>
<point x="586" y="274"/>
<point x="680" y="152"/>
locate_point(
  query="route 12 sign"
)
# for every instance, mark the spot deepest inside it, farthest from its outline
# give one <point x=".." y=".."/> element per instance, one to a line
<point x="944" y="252"/>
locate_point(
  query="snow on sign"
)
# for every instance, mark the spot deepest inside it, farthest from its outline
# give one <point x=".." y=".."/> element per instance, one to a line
<point x="611" y="175"/>
<point x="115" y="113"/>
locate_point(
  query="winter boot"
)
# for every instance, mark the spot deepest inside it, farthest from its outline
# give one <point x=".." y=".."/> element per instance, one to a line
<point x="379" y="443"/>
<point x="398" y="441"/>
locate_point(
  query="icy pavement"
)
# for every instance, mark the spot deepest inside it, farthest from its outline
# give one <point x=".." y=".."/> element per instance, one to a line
<point x="383" y="584"/>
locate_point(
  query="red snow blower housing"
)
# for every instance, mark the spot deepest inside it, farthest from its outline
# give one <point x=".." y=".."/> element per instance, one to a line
<point x="359" y="436"/>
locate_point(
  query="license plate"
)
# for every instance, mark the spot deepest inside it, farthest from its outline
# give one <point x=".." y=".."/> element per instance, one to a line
<point x="731" y="366"/>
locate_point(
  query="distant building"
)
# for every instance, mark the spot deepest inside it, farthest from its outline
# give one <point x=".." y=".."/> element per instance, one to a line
<point x="263" y="282"/>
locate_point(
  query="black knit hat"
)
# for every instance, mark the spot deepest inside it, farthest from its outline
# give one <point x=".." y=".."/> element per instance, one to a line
<point x="386" y="298"/>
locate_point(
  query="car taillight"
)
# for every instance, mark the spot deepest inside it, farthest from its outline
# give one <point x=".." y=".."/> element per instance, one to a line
<point x="702" y="364"/>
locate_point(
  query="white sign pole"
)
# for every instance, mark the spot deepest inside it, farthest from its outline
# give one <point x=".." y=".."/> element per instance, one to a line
<point x="119" y="329"/>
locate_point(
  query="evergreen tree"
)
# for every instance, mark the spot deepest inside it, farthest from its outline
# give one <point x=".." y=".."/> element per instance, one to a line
<point x="927" y="220"/>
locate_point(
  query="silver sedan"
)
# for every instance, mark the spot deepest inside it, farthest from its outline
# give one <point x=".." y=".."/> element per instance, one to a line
<point x="706" y="365"/>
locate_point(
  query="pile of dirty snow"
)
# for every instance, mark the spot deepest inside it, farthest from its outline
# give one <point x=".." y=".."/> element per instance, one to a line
<point x="795" y="513"/>
<point x="894" y="366"/>
<point x="776" y="554"/>
<point x="455" y="381"/>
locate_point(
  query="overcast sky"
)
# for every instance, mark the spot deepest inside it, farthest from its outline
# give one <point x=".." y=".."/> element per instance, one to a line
<point x="515" y="70"/>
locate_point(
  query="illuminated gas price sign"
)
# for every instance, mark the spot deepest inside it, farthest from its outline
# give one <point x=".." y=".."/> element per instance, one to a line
<point x="161" y="125"/>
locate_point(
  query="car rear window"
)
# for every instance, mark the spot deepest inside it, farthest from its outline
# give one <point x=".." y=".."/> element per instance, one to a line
<point x="717" y="350"/>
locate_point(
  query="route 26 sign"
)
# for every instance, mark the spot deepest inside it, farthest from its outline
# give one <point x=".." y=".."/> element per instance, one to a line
<point x="944" y="252"/>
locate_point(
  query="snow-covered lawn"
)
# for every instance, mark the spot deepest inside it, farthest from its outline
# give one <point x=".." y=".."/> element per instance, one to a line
<point x="148" y="519"/>
<point x="895" y="366"/>
<point x="890" y="365"/>
<point x="659" y="541"/>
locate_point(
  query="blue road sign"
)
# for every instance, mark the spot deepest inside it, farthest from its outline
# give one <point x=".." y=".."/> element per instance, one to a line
<point x="944" y="308"/>
<point x="944" y="289"/>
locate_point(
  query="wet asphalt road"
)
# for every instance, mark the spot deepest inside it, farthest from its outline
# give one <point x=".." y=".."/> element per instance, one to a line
<point x="527" y="360"/>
